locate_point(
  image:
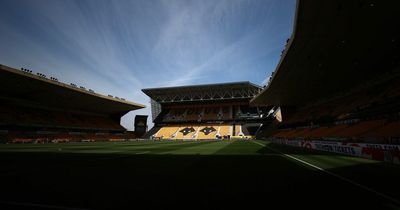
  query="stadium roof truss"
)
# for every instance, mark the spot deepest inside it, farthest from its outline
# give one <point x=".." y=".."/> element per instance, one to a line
<point x="237" y="90"/>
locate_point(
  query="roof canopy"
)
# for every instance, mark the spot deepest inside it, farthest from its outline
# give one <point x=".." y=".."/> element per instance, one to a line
<point x="22" y="87"/>
<point x="335" y="46"/>
<point x="206" y="92"/>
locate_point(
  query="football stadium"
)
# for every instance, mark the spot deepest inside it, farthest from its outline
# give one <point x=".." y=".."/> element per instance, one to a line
<point x="322" y="133"/>
<point x="201" y="112"/>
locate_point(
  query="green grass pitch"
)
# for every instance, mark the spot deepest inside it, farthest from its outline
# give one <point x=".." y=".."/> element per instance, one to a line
<point x="209" y="174"/>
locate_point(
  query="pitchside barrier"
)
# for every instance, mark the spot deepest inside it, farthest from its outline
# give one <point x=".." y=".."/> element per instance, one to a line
<point x="381" y="152"/>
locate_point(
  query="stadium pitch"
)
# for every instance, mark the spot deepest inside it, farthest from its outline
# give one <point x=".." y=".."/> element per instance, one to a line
<point x="192" y="174"/>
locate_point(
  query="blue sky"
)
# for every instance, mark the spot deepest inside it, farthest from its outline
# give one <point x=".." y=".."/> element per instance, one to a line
<point x="120" y="47"/>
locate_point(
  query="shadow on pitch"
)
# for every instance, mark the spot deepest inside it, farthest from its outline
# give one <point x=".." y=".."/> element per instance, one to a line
<point x="112" y="181"/>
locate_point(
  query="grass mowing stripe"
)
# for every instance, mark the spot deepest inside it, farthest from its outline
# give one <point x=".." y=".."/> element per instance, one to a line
<point x="334" y="175"/>
<point x="200" y="149"/>
<point x="76" y="145"/>
<point x="123" y="154"/>
<point x="71" y="147"/>
<point x="180" y="146"/>
<point x="239" y="147"/>
<point x="131" y="148"/>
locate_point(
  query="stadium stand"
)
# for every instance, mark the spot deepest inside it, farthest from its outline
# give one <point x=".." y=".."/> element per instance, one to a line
<point x="34" y="108"/>
<point x="238" y="130"/>
<point x="224" y="131"/>
<point x="207" y="132"/>
<point x="203" y="111"/>
<point x="167" y="132"/>
<point x="210" y="113"/>
<point x="194" y="131"/>
<point x="186" y="132"/>
<point x="342" y="86"/>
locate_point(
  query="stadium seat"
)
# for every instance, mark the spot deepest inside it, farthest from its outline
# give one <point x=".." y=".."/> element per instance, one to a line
<point x="207" y="132"/>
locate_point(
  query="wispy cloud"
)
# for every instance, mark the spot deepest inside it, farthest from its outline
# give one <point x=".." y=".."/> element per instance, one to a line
<point x="120" y="47"/>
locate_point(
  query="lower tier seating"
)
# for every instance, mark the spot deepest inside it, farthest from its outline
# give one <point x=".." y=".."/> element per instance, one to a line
<point x="372" y="130"/>
<point x="209" y="131"/>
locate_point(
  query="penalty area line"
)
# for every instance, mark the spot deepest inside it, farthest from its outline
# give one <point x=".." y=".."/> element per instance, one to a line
<point x="332" y="174"/>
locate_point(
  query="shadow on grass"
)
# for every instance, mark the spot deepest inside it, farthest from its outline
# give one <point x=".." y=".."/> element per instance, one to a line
<point x="293" y="150"/>
<point x="190" y="181"/>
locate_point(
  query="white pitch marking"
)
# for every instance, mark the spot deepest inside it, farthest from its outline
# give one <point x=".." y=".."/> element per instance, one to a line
<point x="332" y="174"/>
